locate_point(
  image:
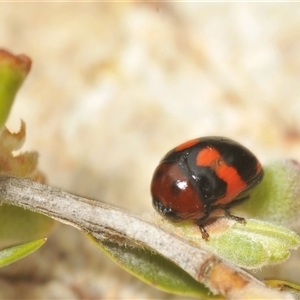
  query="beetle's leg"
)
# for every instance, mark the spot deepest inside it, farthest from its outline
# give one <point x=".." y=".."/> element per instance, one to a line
<point x="204" y="233"/>
<point x="232" y="217"/>
<point x="231" y="204"/>
<point x="200" y="222"/>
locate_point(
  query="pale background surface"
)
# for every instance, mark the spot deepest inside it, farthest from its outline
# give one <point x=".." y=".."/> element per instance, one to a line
<point x="113" y="87"/>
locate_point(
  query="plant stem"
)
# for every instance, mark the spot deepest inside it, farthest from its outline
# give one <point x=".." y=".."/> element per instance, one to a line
<point x="107" y="223"/>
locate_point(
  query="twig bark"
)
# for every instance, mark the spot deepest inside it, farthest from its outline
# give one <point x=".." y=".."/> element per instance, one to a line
<point x="105" y="222"/>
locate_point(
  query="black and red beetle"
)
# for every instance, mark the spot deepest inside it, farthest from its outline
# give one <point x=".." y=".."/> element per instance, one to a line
<point x="202" y="175"/>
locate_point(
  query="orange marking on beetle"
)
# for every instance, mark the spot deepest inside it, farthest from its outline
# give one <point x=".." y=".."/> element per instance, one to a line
<point x="235" y="184"/>
<point x="208" y="157"/>
<point x="187" y="144"/>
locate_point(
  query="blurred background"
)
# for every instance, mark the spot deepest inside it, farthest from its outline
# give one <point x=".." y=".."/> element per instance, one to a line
<point x="114" y="86"/>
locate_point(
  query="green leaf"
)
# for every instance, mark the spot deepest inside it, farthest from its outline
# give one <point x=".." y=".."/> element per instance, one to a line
<point x="13" y="71"/>
<point x="277" y="198"/>
<point x="10" y="255"/>
<point x="255" y="244"/>
<point x="251" y="245"/>
<point x="153" y="268"/>
<point x="18" y="226"/>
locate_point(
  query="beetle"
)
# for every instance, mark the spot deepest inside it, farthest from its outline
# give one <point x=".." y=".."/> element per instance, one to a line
<point x="203" y="175"/>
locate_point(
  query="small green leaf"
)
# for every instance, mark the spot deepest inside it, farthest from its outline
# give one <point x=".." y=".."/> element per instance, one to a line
<point x="10" y="255"/>
<point x="251" y="246"/>
<point x="277" y="198"/>
<point x="255" y="244"/>
<point x="13" y="71"/>
<point x="153" y="268"/>
<point x="18" y="226"/>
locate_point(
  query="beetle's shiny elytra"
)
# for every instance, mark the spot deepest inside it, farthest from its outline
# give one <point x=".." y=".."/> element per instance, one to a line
<point x="203" y="175"/>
